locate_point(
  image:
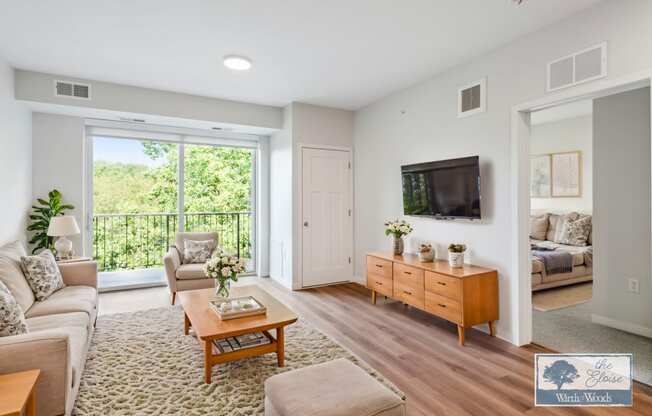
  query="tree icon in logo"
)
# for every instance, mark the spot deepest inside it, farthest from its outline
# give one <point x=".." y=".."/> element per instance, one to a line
<point x="559" y="373"/>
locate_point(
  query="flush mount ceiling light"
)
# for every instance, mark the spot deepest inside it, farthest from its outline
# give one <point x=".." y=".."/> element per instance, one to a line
<point x="237" y="63"/>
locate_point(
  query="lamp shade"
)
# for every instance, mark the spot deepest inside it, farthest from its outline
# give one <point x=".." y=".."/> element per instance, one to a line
<point x="62" y="226"/>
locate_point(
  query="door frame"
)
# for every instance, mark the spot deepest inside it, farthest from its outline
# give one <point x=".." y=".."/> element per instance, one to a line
<point x="520" y="287"/>
<point x="299" y="205"/>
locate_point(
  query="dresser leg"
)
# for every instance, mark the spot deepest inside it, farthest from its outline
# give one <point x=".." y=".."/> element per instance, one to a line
<point x="492" y="329"/>
<point x="373" y="297"/>
<point x="460" y="334"/>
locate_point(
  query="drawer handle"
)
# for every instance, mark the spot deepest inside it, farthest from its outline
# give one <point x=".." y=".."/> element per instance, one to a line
<point x="441" y="283"/>
<point x="379" y="283"/>
<point x="379" y="265"/>
<point x="441" y="304"/>
<point x="407" y="272"/>
<point x="407" y="293"/>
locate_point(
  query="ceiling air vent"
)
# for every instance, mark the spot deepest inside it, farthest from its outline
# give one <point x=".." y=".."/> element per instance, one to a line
<point x="72" y="90"/>
<point x="583" y="66"/>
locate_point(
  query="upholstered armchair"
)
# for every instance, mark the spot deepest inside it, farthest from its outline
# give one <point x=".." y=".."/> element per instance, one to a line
<point x="186" y="276"/>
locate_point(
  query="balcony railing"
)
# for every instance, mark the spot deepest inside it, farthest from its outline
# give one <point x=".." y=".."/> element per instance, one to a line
<point x="136" y="241"/>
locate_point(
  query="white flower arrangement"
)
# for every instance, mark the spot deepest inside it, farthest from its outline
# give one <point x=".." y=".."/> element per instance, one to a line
<point x="223" y="267"/>
<point x="397" y="228"/>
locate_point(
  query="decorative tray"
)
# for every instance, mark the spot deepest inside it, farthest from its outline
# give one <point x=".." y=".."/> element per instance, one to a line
<point x="237" y="307"/>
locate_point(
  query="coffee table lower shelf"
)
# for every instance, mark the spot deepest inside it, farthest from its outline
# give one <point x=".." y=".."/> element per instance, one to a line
<point x="211" y="358"/>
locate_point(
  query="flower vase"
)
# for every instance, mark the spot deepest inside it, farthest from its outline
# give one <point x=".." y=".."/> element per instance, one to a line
<point x="398" y="246"/>
<point x="223" y="288"/>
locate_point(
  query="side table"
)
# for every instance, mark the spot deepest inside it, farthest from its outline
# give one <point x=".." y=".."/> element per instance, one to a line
<point x="17" y="393"/>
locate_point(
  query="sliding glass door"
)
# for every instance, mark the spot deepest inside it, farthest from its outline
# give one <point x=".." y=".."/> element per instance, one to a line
<point x="144" y="191"/>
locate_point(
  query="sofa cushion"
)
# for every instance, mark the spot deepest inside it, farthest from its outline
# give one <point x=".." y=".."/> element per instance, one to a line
<point x="191" y="271"/>
<point x="576" y="233"/>
<point x="11" y="274"/>
<point x="68" y="299"/>
<point x="335" y="388"/>
<point x="539" y="226"/>
<point x="12" y="317"/>
<point x="579" y="253"/>
<point x="556" y="225"/>
<point x="72" y="319"/>
<point x="42" y="274"/>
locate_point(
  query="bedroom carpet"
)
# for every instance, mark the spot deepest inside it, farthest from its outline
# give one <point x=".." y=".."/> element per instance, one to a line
<point x="141" y="363"/>
<point x="562" y="297"/>
<point x="571" y="330"/>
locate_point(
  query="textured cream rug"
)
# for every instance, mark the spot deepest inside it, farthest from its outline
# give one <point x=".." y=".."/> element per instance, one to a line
<point x="141" y="364"/>
<point x="562" y="297"/>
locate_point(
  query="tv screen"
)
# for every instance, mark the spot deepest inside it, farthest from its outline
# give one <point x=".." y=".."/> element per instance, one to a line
<point x="446" y="189"/>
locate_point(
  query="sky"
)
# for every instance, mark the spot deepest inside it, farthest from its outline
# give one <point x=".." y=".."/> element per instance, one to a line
<point x="121" y="150"/>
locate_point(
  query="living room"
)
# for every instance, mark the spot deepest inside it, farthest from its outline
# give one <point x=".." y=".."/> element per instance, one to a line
<point x="284" y="154"/>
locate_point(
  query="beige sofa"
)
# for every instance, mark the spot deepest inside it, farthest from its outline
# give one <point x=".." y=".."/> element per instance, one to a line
<point x="545" y="235"/>
<point x="186" y="276"/>
<point x="60" y="330"/>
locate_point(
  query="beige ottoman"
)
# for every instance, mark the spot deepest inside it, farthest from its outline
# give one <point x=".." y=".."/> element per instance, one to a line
<point x="335" y="388"/>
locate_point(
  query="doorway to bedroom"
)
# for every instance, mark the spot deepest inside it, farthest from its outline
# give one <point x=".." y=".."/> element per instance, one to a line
<point x="590" y="227"/>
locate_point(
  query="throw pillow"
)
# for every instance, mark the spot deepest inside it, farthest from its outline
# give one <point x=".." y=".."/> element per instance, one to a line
<point x="576" y="233"/>
<point x="539" y="226"/>
<point x="197" y="251"/>
<point x="42" y="274"/>
<point x="12" y="317"/>
<point x="557" y="224"/>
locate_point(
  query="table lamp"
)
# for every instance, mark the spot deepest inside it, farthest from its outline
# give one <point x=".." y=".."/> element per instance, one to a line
<point x="61" y="227"/>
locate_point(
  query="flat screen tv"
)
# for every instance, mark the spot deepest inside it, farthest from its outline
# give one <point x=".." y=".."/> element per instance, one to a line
<point x="444" y="189"/>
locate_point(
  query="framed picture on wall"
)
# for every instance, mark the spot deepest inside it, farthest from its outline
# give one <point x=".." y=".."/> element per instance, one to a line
<point x="566" y="174"/>
<point x="540" y="176"/>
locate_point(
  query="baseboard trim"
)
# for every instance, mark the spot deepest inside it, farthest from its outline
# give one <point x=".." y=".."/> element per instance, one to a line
<point x="623" y="326"/>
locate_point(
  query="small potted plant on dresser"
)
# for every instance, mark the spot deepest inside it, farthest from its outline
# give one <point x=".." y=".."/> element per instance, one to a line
<point x="456" y="255"/>
<point x="426" y="253"/>
<point x="398" y="229"/>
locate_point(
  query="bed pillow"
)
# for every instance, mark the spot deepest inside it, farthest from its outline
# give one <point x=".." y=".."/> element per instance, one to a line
<point x="538" y="226"/>
<point x="197" y="251"/>
<point x="12" y="317"/>
<point x="42" y="274"/>
<point x="576" y="233"/>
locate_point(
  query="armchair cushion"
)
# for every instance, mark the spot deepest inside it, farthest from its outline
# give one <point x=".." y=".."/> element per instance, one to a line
<point x="42" y="274"/>
<point x="202" y="236"/>
<point x="69" y="299"/>
<point x="191" y="271"/>
<point x="11" y="274"/>
<point x="12" y="317"/>
<point x="197" y="251"/>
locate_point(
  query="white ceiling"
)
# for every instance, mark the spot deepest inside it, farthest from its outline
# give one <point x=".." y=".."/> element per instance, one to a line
<point x="562" y="112"/>
<point x="340" y="53"/>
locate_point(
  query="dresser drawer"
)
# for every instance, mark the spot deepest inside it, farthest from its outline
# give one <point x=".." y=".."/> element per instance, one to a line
<point x="409" y="294"/>
<point x="443" y="307"/>
<point x="379" y="283"/>
<point x="408" y="276"/>
<point x="446" y="286"/>
<point x="379" y="266"/>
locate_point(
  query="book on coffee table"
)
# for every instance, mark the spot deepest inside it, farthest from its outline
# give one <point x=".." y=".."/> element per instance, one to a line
<point x="241" y="342"/>
<point x="237" y="307"/>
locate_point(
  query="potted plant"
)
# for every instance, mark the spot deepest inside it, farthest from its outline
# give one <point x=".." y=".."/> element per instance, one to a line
<point x="40" y="219"/>
<point x="398" y="229"/>
<point x="456" y="255"/>
<point x="426" y="253"/>
<point x="224" y="269"/>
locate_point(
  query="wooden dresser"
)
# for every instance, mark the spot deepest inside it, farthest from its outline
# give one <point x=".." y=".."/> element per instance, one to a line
<point x="465" y="296"/>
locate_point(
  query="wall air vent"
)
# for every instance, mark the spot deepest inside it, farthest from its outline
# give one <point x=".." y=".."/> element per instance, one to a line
<point x="71" y="89"/>
<point x="472" y="98"/>
<point x="583" y="66"/>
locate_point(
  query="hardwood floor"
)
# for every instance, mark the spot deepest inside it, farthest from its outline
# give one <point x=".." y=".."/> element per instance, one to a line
<point x="419" y="353"/>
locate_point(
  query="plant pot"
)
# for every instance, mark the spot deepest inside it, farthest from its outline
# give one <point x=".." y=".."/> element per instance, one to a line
<point x="456" y="259"/>
<point x="398" y="246"/>
<point x="427" y="257"/>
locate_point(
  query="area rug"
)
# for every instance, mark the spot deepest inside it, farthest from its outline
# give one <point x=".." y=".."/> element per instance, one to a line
<point x="562" y="297"/>
<point x="140" y="363"/>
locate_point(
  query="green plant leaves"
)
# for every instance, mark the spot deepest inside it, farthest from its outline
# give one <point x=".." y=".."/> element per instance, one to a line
<point x="40" y="219"/>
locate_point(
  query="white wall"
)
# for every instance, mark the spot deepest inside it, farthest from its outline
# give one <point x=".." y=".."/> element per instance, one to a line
<point x="15" y="160"/>
<point x="303" y="124"/>
<point x="39" y="87"/>
<point x="58" y="162"/>
<point x="566" y="136"/>
<point x="420" y="124"/>
<point x="621" y="230"/>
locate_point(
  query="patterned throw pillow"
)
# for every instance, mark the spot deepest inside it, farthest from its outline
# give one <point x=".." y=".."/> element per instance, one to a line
<point x="576" y="233"/>
<point x="42" y="274"/>
<point x="12" y="317"/>
<point x="197" y="251"/>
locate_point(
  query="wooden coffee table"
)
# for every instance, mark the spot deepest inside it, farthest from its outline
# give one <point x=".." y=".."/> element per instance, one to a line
<point x="208" y="326"/>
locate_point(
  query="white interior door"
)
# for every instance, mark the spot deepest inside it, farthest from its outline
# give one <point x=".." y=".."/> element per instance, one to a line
<point x="327" y="229"/>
